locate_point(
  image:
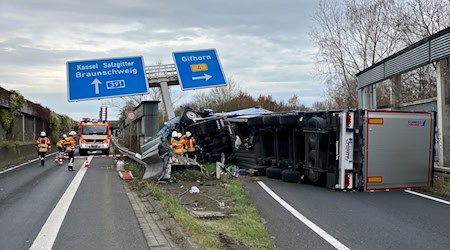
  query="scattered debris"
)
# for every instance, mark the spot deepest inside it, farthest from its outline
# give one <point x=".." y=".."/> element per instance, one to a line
<point x="127" y="176"/>
<point x="120" y="165"/>
<point x="194" y="190"/>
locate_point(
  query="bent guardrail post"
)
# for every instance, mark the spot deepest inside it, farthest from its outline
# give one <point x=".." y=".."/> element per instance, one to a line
<point x="154" y="166"/>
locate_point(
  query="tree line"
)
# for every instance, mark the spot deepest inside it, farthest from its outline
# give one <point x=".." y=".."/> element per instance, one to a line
<point x="232" y="97"/>
<point x="354" y="34"/>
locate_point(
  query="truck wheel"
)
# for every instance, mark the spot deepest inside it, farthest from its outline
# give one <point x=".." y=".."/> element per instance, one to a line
<point x="313" y="176"/>
<point x="188" y="117"/>
<point x="316" y="123"/>
<point x="289" y="175"/>
<point x="273" y="173"/>
<point x="261" y="171"/>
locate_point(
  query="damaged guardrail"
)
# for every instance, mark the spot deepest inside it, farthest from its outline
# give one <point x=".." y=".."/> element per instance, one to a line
<point x="158" y="159"/>
<point x="153" y="171"/>
<point x="132" y="155"/>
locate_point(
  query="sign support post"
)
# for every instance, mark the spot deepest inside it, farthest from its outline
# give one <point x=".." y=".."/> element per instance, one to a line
<point x="165" y="94"/>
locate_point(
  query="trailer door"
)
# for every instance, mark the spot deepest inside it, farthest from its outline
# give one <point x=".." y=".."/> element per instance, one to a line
<point x="398" y="149"/>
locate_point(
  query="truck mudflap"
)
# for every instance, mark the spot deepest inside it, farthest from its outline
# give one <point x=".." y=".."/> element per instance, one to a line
<point x="398" y="149"/>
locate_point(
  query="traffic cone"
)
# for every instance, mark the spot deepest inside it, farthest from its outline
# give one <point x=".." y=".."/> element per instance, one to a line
<point x="56" y="157"/>
<point x="86" y="164"/>
<point x="60" y="162"/>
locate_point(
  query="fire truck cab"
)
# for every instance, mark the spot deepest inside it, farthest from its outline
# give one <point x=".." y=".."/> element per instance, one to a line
<point x="94" y="136"/>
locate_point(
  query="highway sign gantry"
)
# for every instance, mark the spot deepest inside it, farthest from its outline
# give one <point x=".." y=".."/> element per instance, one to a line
<point x="199" y="69"/>
<point x="105" y="78"/>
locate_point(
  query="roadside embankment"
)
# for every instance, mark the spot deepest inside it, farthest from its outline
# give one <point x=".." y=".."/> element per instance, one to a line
<point x="14" y="153"/>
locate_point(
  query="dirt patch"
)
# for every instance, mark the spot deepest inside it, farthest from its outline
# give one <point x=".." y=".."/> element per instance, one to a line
<point x="229" y="244"/>
<point x="212" y="200"/>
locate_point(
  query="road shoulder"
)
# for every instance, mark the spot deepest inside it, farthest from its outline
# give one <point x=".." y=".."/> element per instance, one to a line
<point x="156" y="224"/>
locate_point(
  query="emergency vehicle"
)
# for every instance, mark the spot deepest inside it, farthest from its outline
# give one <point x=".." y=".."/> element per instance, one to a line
<point x="94" y="136"/>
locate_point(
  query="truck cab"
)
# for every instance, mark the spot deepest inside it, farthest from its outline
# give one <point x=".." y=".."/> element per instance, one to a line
<point x="94" y="136"/>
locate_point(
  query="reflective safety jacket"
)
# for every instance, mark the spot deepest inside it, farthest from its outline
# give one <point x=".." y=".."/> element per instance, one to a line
<point x="60" y="143"/>
<point x="70" y="146"/>
<point x="177" y="146"/>
<point x="43" y="144"/>
<point x="72" y="139"/>
<point x="189" y="144"/>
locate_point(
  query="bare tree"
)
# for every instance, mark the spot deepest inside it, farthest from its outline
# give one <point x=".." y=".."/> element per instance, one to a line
<point x="352" y="36"/>
<point x="217" y="98"/>
<point x="417" y="19"/>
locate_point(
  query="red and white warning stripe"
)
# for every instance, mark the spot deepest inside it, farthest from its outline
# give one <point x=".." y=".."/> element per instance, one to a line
<point x="100" y="156"/>
<point x="127" y="176"/>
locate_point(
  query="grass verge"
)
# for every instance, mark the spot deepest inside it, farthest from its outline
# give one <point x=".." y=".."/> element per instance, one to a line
<point x="441" y="187"/>
<point x="244" y="229"/>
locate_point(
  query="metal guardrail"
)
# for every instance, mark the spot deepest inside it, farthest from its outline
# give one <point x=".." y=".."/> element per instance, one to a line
<point x="442" y="170"/>
<point x="131" y="155"/>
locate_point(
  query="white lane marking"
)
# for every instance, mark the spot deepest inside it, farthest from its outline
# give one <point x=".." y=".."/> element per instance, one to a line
<point x="330" y="239"/>
<point x="428" y="197"/>
<point x="47" y="236"/>
<point x="23" y="164"/>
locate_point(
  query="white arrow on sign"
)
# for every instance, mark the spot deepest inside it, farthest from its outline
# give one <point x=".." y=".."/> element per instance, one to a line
<point x="205" y="77"/>
<point x="96" y="82"/>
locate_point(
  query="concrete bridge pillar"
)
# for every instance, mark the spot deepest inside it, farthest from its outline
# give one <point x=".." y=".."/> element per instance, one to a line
<point x="443" y="111"/>
<point x="396" y="91"/>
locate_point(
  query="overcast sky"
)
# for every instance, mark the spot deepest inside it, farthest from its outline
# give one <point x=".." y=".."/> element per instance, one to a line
<point x="263" y="45"/>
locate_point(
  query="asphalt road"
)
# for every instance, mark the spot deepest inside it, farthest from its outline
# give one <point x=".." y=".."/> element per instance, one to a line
<point x="380" y="220"/>
<point x="99" y="217"/>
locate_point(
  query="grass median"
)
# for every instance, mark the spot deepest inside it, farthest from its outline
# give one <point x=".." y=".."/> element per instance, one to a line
<point x="441" y="187"/>
<point x="244" y="230"/>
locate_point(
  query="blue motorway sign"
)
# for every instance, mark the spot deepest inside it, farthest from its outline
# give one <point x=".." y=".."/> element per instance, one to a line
<point x="104" y="78"/>
<point x="199" y="69"/>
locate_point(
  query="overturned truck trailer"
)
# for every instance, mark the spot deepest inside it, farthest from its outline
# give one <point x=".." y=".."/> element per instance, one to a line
<point x="348" y="149"/>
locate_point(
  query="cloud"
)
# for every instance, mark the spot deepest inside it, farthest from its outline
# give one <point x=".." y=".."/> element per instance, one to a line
<point x="263" y="45"/>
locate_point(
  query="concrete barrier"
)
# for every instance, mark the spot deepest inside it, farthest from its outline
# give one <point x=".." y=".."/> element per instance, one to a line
<point x="12" y="155"/>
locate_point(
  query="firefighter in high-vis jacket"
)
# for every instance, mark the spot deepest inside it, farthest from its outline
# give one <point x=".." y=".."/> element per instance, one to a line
<point x="177" y="144"/>
<point x="72" y="135"/>
<point x="189" y="144"/>
<point x="70" y="150"/>
<point x="173" y="137"/>
<point x="60" y="146"/>
<point x="43" y="146"/>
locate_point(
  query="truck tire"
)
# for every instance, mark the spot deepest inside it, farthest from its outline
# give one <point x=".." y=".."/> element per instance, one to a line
<point x="273" y="173"/>
<point x="261" y="170"/>
<point x="313" y="176"/>
<point x="289" y="175"/>
<point x="316" y="123"/>
<point x="188" y="117"/>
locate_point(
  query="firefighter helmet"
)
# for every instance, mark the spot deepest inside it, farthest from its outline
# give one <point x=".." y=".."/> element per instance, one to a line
<point x="188" y="134"/>
<point x="43" y="134"/>
<point x="72" y="133"/>
<point x="174" y="134"/>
